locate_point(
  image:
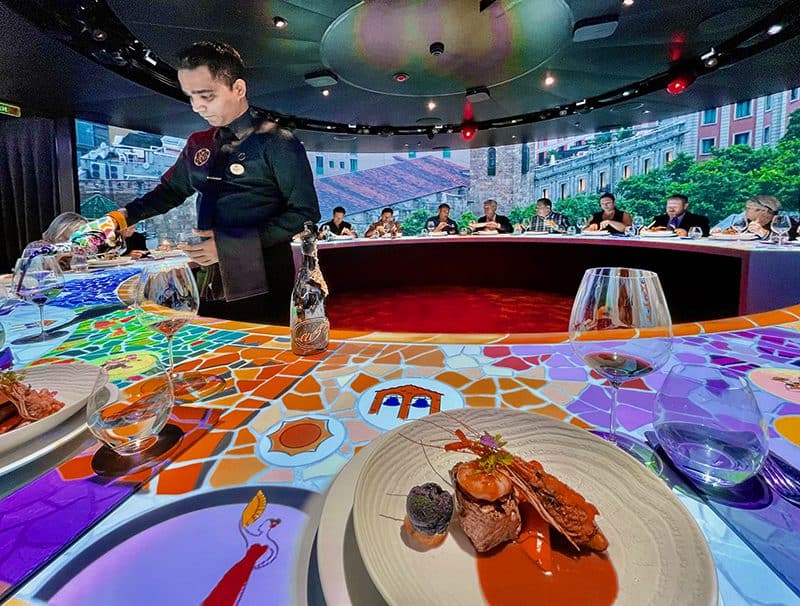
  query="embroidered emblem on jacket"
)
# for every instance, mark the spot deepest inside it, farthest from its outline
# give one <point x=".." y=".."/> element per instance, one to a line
<point x="201" y="156"/>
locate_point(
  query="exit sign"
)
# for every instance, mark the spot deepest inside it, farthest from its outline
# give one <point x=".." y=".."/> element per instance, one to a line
<point x="6" y="109"/>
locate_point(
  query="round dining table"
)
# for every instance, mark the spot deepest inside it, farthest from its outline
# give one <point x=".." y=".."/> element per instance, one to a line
<point x="284" y="439"/>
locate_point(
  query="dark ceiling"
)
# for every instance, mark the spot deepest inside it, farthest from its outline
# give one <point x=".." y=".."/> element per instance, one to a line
<point x="508" y="48"/>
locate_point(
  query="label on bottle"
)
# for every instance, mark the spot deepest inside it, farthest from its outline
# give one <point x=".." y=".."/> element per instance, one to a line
<point x="310" y="336"/>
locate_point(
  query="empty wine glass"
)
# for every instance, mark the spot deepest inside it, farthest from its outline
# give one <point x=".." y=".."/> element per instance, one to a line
<point x="638" y="223"/>
<point x="429" y="227"/>
<point x="621" y="327"/>
<point x="166" y="300"/>
<point x="695" y="233"/>
<point x="708" y="422"/>
<point x="572" y="230"/>
<point x="38" y="279"/>
<point x="739" y="224"/>
<point x="780" y="225"/>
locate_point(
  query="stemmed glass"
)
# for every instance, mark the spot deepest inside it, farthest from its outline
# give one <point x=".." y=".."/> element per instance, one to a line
<point x="166" y="300"/>
<point x="429" y="227"/>
<point x="7" y="303"/>
<point x="739" y="224"/>
<point x="38" y="279"/>
<point x="620" y="326"/>
<point x="780" y="225"/>
<point x="695" y="233"/>
<point x="638" y="223"/>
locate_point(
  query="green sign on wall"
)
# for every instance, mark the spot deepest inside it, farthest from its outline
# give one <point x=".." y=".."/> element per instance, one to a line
<point x="6" y="109"/>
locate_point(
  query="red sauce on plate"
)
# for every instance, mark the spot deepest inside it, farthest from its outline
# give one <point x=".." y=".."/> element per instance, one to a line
<point x="508" y="576"/>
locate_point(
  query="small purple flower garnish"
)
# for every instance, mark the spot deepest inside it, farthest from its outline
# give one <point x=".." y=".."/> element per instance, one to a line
<point x="489" y="441"/>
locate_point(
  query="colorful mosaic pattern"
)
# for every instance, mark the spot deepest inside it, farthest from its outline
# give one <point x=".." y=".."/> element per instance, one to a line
<point x="294" y="422"/>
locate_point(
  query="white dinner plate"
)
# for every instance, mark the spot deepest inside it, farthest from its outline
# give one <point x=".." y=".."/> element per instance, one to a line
<point x="335" y="237"/>
<point x="538" y="233"/>
<point x="487" y="232"/>
<point x="74" y="384"/>
<point x="599" y="232"/>
<point x="438" y="234"/>
<point x="744" y="237"/>
<point x="662" y="233"/>
<point x="109" y="262"/>
<point x="344" y="579"/>
<point x="657" y="550"/>
<point x="50" y="440"/>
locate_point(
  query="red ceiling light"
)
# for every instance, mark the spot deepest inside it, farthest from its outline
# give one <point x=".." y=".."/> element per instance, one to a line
<point x="468" y="131"/>
<point x="680" y="83"/>
<point x="400" y="77"/>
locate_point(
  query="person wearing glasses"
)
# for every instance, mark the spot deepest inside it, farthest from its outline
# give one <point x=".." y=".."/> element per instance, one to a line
<point x="759" y="211"/>
<point x="548" y="220"/>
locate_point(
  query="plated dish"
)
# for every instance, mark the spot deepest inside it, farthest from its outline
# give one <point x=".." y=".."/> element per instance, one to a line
<point x="487" y="232"/>
<point x="639" y="516"/>
<point x="726" y="236"/>
<point x="599" y="232"/>
<point x="52" y="439"/>
<point x="661" y="233"/>
<point x="44" y="397"/>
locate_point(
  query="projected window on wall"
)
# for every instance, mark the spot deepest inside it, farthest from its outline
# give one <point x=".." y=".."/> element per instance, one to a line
<point x="116" y="165"/>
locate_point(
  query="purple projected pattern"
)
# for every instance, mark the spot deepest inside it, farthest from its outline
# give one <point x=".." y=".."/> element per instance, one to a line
<point x="154" y="566"/>
<point x="41" y="519"/>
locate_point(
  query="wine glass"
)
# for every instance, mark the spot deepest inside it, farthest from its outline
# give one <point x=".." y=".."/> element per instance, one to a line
<point x="325" y="232"/>
<point x="695" y="233"/>
<point x="638" y="223"/>
<point x="166" y="300"/>
<point x="780" y="225"/>
<point x="429" y="227"/>
<point x="572" y="230"/>
<point x="708" y="422"/>
<point x="7" y="303"/>
<point x="38" y="279"/>
<point x="739" y="224"/>
<point x="620" y="326"/>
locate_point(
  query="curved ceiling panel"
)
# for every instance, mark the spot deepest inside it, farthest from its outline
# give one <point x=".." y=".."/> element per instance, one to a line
<point x="509" y="48"/>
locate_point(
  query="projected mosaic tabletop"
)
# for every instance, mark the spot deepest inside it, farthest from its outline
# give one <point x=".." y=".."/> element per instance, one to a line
<point x="267" y="447"/>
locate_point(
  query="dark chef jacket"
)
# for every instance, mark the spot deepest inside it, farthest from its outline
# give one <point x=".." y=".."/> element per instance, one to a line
<point x="255" y="186"/>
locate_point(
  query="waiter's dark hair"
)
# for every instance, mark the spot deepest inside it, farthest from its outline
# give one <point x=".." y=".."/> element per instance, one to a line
<point x="339" y="209"/>
<point x="222" y="60"/>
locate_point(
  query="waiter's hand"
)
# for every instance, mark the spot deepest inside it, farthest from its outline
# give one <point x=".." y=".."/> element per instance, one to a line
<point x="204" y="253"/>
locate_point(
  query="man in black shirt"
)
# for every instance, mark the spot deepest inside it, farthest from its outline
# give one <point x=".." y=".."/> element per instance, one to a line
<point x="337" y="225"/>
<point x="442" y="223"/>
<point x="256" y="191"/>
<point x="491" y="221"/>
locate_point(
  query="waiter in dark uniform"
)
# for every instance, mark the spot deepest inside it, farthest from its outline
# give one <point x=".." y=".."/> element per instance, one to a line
<point x="255" y="190"/>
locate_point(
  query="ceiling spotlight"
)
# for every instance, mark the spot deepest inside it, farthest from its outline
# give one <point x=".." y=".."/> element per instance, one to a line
<point x="280" y="22"/>
<point x="775" y="29"/>
<point x="647" y="111"/>
<point x="478" y="94"/>
<point x="710" y="59"/>
<point x="628" y="2"/>
<point x="99" y="35"/>
<point x="680" y="83"/>
<point x="325" y="92"/>
<point x="436" y="48"/>
<point x="549" y="79"/>
<point x="468" y="131"/>
<point x="431" y="105"/>
<point x="400" y="77"/>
